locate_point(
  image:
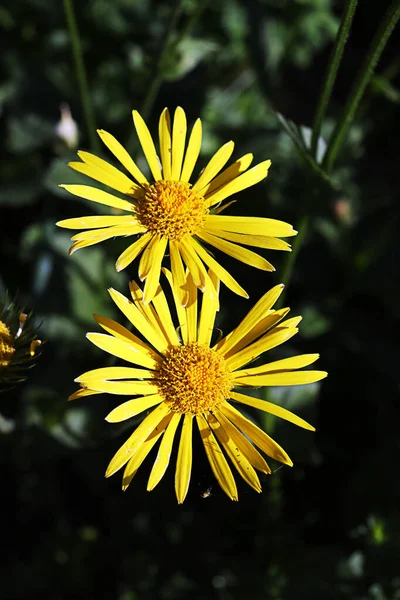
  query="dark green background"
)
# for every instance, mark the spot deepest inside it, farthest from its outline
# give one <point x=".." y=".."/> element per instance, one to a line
<point x="326" y="529"/>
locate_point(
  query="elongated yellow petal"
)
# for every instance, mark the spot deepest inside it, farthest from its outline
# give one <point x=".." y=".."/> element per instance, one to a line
<point x="82" y="393"/>
<point x="125" y="350"/>
<point x="285" y="378"/>
<point x="125" y="388"/>
<point x="108" y="232"/>
<point x="133" y="251"/>
<point x="214" y="166"/>
<point x="164" y="318"/>
<point x="184" y="459"/>
<point x="95" y="195"/>
<point x="164" y="453"/>
<point x="243" y="254"/>
<point x="141" y="453"/>
<point x="246" y="447"/>
<point x="178" y="272"/>
<point x="122" y="333"/>
<point x="147" y="144"/>
<point x="270" y="340"/>
<point x="141" y="433"/>
<point x="292" y="322"/>
<point x="112" y="373"/>
<point x="256" y="435"/>
<point x="191" y="310"/>
<point x="104" y="177"/>
<point x="131" y="408"/>
<point x="180" y="310"/>
<point x="145" y="261"/>
<point x="258" y="241"/>
<point x="216" y="268"/>
<point x="237" y="458"/>
<point x="147" y="310"/>
<point x="108" y="172"/>
<point x="251" y="225"/>
<point x="260" y="310"/>
<point x="122" y="155"/>
<point x="153" y="277"/>
<point x="137" y="319"/>
<point x="82" y="244"/>
<point x="209" y="309"/>
<point x="178" y="142"/>
<point x="164" y="133"/>
<point x="246" y="180"/>
<point x="227" y="175"/>
<point x="217" y="460"/>
<point x="194" y="264"/>
<point x="192" y="151"/>
<point x="97" y="222"/>
<point x="285" y="364"/>
<point x="271" y="408"/>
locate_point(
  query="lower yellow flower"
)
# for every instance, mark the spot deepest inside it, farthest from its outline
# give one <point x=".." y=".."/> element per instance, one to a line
<point x="185" y="380"/>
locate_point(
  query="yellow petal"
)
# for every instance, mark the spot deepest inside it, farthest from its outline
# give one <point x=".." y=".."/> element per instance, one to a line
<point x="285" y="364"/>
<point x="270" y="340"/>
<point x="184" y="459"/>
<point x="145" y="261"/>
<point x="246" y="447"/>
<point x="238" y="459"/>
<point x="100" y="235"/>
<point x="256" y="435"/>
<point x="122" y="333"/>
<point x="246" y="180"/>
<point x="260" y="310"/>
<point x="217" y="460"/>
<point x="112" y="176"/>
<point x="271" y="408"/>
<point x="242" y="254"/>
<point x="178" y="142"/>
<point x="153" y="278"/>
<point x="95" y="195"/>
<point x="147" y="310"/>
<point x="122" y="155"/>
<point x="82" y="244"/>
<point x="164" y="319"/>
<point x="250" y="225"/>
<point x="191" y="310"/>
<point x="147" y="144"/>
<point x="258" y="241"/>
<point x="131" y="408"/>
<point x="260" y="329"/>
<point x="292" y="322"/>
<point x="209" y="309"/>
<point x="227" y="175"/>
<point x="214" y="166"/>
<point x="192" y="151"/>
<point x="216" y="268"/>
<point x="164" y="453"/>
<point x="180" y="310"/>
<point x="141" y="433"/>
<point x="194" y="264"/>
<point x="141" y="453"/>
<point x="133" y="251"/>
<point x="81" y="393"/>
<point x="97" y="222"/>
<point x="137" y="319"/>
<point x="125" y="350"/>
<point x="178" y="272"/>
<point x="285" y="378"/>
<point x="111" y="373"/>
<point x="164" y="133"/>
<point x="125" y="388"/>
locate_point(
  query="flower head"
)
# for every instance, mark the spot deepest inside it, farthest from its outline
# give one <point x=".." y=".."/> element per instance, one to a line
<point x="18" y="343"/>
<point x="169" y="214"/>
<point x="188" y="382"/>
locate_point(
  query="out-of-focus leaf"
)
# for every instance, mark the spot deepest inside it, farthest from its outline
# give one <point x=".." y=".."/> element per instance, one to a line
<point x="314" y="322"/>
<point x="187" y="56"/>
<point x="383" y="87"/>
<point x="28" y="133"/>
<point x="59" y="172"/>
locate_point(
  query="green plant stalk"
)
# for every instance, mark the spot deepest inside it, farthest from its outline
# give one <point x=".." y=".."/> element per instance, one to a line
<point x="364" y="75"/>
<point x="291" y="258"/>
<point x="333" y="66"/>
<point x="81" y="74"/>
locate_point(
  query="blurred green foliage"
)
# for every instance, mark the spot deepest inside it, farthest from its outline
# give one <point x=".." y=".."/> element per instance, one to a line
<point x="327" y="529"/>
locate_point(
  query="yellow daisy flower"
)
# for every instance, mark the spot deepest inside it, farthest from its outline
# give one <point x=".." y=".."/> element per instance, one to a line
<point x="186" y="380"/>
<point x="170" y="214"/>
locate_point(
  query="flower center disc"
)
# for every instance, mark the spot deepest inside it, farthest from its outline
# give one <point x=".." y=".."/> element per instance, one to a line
<point x="194" y="379"/>
<point x="171" y="209"/>
<point x="6" y="345"/>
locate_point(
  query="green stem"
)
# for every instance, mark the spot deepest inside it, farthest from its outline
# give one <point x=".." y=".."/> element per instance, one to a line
<point x="331" y="73"/>
<point x="291" y="258"/>
<point x="81" y="74"/>
<point x="378" y="43"/>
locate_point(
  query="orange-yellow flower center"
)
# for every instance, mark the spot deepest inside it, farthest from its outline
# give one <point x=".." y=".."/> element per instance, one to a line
<point x="194" y="379"/>
<point x="171" y="209"/>
<point x="6" y="345"/>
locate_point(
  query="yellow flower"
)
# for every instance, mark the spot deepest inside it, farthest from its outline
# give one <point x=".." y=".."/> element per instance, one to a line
<point x="171" y="211"/>
<point x="186" y="380"/>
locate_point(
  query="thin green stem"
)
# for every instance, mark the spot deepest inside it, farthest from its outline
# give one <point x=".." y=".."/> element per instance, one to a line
<point x="363" y="78"/>
<point x="332" y="70"/>
<point x="291" y="258"/>
<point x="81" y="74"/>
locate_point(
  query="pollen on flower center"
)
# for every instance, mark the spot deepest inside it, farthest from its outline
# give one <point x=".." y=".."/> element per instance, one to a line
<point x="6" y="345"/>
<point x="194" y="379"/>
<point x="171" y="209"/>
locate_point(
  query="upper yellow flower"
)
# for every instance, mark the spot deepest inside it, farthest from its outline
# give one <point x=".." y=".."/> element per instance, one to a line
<point x="187" y="380"/>
<point x="171" y="211"/>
